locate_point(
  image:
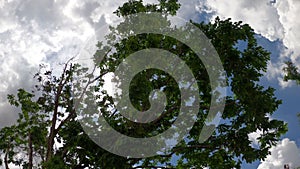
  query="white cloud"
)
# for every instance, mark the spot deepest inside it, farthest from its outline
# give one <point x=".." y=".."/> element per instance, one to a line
<point x="288" y="11"/>
<point x="34" y="31"/>
<point x="286" y="152"/>
<point x="275" y="71"/>
<point x="274" y="21"/>
<point x="253" y="137"/>
<point x="260" y="14"/>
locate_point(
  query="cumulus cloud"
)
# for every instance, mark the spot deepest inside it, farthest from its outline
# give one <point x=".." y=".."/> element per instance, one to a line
<point x="260" y="14"/>
<point x="273" y="19"/>
<point x="286" y="152"/>
<point x="34" y="31"/>
<point x="288" y="11"/>
<point x="253" y="137"/>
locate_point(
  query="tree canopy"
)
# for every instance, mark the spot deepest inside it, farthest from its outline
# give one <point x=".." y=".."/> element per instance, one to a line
<point x="48" y="133"/>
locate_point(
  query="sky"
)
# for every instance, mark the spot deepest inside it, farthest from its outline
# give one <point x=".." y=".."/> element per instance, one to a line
<point x="51" y="31"/>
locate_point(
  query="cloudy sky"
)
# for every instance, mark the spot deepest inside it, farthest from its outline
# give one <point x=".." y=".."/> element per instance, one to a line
<point x="50" y="31"/>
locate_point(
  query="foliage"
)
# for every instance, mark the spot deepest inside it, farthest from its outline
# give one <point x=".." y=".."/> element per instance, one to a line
<point x="50" y="116"/>
<point x="246" y="111"/>
<point x="291" y="72"/>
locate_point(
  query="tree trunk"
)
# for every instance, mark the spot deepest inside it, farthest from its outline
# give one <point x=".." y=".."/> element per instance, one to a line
<point x="52" y="133"/>
<point x="6" y="160"/>
<point x="30" y="152"/>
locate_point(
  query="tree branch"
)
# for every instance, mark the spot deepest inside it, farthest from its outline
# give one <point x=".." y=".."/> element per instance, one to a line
<point x="53" y="131"/>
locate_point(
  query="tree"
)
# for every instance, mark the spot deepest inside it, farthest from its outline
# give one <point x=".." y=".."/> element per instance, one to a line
<point x="48" y="119"/>
<point x="292" y="73"/>
<point x="246" y="109"/>
<point x="27" y="135"/>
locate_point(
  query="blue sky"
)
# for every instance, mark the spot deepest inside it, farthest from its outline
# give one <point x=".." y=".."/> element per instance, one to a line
<point x="287" y="111"/>
<point x="50" y="31"/>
